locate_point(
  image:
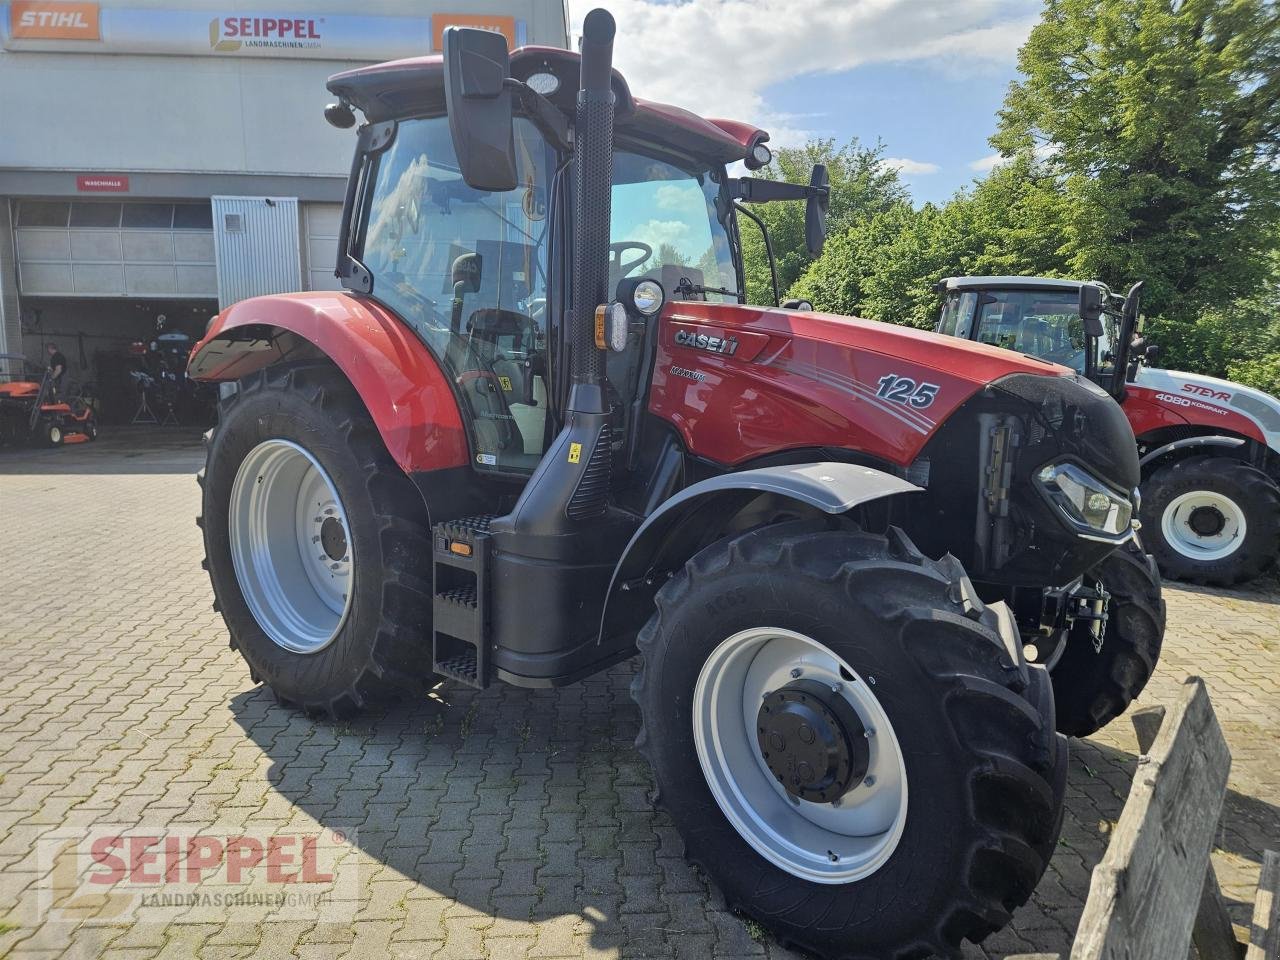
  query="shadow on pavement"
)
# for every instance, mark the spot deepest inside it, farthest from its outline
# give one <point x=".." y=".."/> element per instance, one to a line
<point x="118" y="450"/>
<point x="524" y="805"/>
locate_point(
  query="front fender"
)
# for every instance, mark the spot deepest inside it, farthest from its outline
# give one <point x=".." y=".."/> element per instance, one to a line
<point x="698" y="514"/>
<point x="399" y="381"/>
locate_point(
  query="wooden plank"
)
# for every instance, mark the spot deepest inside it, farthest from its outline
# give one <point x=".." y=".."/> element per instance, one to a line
<point x="1142" y="901"/>
<point x="1034" y="956"/>
<point x="1264" y="932"/>
<point x="1212" y="933"/>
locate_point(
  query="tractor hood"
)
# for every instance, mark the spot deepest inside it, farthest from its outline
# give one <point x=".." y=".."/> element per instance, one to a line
<point x="1212" y="402"/>
<point x="741" y="382"/>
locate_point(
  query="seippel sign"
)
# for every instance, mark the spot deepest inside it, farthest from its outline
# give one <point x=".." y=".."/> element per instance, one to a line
<point x="78" y="27"/>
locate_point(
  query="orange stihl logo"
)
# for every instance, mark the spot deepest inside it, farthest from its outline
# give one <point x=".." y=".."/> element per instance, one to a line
<point x="47" y="20"/>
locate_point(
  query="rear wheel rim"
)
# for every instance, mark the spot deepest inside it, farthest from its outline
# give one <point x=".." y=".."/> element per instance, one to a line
<point x="1187" y="512"/>
<point x="832" y="843"/>
<point x="290" y="546"/>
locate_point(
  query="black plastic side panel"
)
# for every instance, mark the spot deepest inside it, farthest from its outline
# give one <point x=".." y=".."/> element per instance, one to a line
<point x="551" y="591"/>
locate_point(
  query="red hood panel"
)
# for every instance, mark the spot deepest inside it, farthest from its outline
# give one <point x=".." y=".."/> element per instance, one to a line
<point x="743" y="382"/>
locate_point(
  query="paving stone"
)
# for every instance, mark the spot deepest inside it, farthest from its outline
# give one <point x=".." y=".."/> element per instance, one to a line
<point x="498" y="824"/>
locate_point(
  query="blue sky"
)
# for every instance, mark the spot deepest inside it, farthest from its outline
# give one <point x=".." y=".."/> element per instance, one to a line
<point x="924" y="76"/>
<point x="921" y="114"/>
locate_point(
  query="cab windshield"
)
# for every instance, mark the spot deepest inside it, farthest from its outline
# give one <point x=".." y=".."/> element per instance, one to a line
<point x="664" y="226"/>
<point x="1040" y="323"/>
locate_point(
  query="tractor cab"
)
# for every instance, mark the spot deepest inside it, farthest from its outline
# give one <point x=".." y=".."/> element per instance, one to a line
<point x="1079" y="325"/>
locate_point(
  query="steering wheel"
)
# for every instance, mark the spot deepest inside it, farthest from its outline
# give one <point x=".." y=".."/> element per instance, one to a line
<point x="619" y="269"/>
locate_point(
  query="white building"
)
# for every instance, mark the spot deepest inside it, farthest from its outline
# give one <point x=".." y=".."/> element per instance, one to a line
<point x="169" y="157"/>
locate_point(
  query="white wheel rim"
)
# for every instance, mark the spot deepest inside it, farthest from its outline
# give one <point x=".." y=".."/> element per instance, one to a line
<point x="1220" y="540"/>
<point x="838" y="842"/>
<point x="287" y="528"/>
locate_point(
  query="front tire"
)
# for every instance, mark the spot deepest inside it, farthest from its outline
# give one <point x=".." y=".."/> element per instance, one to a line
<point x="954" y="711"/>
<point x="1092" y="687"/>
<point x="1211" y="520"/>
<point x="335" y="617"/>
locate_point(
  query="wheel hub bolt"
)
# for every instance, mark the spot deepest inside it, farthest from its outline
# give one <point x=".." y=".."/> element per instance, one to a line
<point x="795" y="673"/>
<point x="869" y="780"/>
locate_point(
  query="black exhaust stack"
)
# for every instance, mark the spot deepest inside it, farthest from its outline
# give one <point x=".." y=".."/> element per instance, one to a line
<point x="593" y="180"/>
<point x="572" y="482"/>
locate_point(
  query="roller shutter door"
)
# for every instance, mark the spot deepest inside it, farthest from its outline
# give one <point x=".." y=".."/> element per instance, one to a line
<point x="97" y="248"/>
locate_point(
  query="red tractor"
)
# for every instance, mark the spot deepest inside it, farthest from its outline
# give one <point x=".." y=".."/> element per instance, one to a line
<point x="1209" y="449"/>
<point x="540" y="431"/>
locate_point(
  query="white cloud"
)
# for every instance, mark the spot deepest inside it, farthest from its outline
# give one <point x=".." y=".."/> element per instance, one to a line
<point x="657" y="232"/>
<point x="988" y="163"/>
<point x="908" y="167"/>
<point x="718" y="57"/>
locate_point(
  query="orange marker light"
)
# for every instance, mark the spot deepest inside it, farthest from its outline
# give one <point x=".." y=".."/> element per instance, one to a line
<point x="461" y="549"/>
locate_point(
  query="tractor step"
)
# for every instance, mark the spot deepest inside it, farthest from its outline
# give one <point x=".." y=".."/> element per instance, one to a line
<point x="460" y="609"/>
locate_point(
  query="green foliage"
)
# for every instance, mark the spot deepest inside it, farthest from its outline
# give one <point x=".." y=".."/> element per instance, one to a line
<point x="861" y="186"/>
<point x="1142" y="142"/>
<point x="884" y="267"/>
<point x="1160" y="125"/>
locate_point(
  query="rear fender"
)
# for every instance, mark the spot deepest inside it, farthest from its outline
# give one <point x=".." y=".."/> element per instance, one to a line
<point x="702" y="513"/>
<point x="399" y="381"/>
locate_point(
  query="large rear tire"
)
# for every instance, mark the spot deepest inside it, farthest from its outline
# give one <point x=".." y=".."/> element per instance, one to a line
<point x="964" y="808"/>
<point x="1092" y="687"/>
<point x="316" y="543"/>
<point x="1211" y="520"/>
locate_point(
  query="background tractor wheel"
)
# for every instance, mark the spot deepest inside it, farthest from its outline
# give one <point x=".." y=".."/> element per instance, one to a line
<point x="316" y="543"/>
<point x="1213" y="520"/>
<point x="1092" y="688"/>
<point x="849" y="741"/>
<point x="53" y="435"/>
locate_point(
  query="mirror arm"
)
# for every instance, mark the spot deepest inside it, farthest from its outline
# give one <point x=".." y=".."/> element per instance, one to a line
<point x="754" y="190"/>
<point x="768" y="248"/>
<point x="550" y="122"/>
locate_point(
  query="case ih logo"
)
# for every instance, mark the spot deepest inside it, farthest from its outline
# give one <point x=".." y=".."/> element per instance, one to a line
<point x="227" y="34"/>
<point x="703" y="341"/>
<point x="1205" y="392"/>
<point x="47" y="20"/>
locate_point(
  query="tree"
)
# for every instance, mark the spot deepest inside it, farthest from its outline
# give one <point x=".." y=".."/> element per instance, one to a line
<point x="1159" y="123"/>
<point x="885" y="267"/>
<point x="861" y="186"/>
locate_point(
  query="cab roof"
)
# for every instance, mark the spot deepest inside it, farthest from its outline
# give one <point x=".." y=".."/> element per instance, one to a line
<point x="415" y="87"/>
<point x="1008" y="283"/>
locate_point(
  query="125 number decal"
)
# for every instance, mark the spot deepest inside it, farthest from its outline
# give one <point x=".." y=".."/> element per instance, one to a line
<point x="907" y="391"/>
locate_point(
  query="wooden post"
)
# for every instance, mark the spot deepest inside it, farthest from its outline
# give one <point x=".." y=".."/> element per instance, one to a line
<point x="1214" y="937"/>
<point x="1264" y="932"/>
<point x="1142" y="894"/>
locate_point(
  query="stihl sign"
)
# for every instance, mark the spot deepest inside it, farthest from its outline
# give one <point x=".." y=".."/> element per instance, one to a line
<point x="48" y="20"/>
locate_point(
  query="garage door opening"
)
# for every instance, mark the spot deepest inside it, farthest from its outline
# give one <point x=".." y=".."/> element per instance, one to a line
<point x="123" y="351"/>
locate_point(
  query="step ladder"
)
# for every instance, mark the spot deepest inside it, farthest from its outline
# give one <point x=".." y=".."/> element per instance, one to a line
<point x="460" y="625"/>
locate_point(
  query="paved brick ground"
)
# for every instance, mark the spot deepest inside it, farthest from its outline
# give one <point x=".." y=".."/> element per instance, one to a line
<point x="501" y="825"/>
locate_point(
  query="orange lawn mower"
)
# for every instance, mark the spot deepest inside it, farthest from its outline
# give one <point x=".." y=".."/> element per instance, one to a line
<point x="31" y="412"/>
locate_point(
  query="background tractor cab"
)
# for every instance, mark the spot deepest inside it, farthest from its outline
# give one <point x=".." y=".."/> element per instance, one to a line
<point x="1210" y="449"/>
<point x="540" y="431"/>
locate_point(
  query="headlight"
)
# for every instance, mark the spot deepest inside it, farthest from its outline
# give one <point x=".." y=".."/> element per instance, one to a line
<point x="1086" y="502"/>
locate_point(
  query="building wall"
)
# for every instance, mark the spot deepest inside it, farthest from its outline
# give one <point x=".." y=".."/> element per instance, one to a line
<point x="218" y="112"/>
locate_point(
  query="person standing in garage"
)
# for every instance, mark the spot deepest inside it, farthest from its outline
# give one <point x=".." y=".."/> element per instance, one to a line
<point x="57" y="369"/>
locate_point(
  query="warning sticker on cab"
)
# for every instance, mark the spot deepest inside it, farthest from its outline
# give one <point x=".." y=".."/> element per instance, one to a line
<point x="575" y="453"/>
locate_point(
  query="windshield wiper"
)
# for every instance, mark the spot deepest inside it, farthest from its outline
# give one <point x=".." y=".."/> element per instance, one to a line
<point x="686" y="287"/>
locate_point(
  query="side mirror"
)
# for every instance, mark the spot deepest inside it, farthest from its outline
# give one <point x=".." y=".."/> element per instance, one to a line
<point x="476" y="68"/>
<point x="466" y="274"/>
<point x="1092" y="303"/>
<point x="815" y="210"/>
